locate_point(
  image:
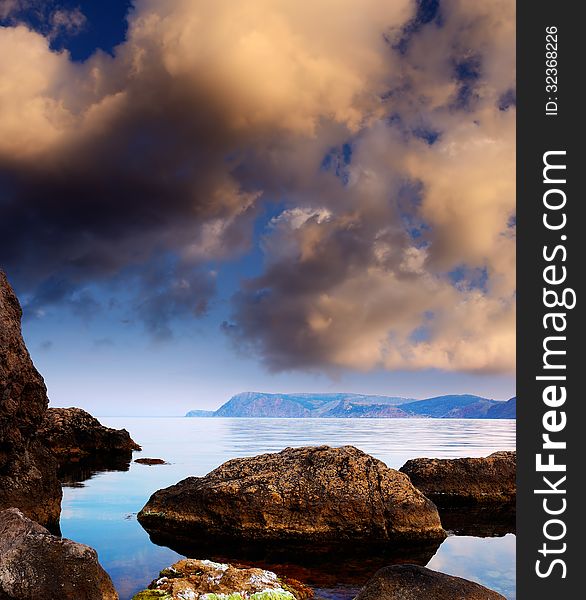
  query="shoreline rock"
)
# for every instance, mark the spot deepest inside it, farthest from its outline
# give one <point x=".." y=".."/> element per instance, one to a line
<point x="457" y="482"/>
<point x="194" y="579"/>
<point x="28" y="473"/>
<point x="312" y="495"/>
<point x="411" y="582"/>
<point x="72" y="433"/>
<point x="36" y="564"/>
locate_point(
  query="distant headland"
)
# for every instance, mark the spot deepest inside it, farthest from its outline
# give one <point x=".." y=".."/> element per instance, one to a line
<point x="340" y="405"/>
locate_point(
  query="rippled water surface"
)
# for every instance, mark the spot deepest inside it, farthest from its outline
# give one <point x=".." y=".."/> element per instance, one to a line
<point x="102" y="511"/>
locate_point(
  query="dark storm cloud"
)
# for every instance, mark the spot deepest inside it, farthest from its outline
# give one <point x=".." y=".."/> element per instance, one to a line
<point x="107" y="165"/>
<point x="144" y="168"/>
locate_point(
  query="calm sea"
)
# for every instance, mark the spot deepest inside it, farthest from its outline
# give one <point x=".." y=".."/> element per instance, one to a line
<point x="101" y="511"/>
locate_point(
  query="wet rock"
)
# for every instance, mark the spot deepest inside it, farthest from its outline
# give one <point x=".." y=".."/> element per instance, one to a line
<point x="410" y="582"/>
<point x="27" y="471"/>
<point x="150" y="461"/>
<point x="315" y="495"/>
<point x="72" y="433"/>
<point x="465" y="481"/>
<point x="36" y="565"/>
<point x="191" y="579"/>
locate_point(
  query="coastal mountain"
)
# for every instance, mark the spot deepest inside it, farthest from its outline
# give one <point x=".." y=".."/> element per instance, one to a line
<point x="261" y="405"/>
<point x="503" y="410"/>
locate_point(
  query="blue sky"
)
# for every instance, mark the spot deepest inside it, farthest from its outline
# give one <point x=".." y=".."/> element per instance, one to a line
<point x="207" y="198"/>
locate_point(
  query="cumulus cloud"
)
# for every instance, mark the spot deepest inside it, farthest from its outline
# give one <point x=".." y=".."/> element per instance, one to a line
<point x="414" y="266"/>
<point x="378" y="125"/>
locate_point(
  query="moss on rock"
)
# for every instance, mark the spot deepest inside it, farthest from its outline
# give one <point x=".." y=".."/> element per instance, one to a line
<point x="191" y="579"/>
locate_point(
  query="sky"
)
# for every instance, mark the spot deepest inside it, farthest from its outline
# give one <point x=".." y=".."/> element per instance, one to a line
<point x="200" y="198"/>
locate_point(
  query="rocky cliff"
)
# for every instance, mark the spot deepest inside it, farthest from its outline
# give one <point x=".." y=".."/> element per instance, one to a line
<point x="28" y="478"/>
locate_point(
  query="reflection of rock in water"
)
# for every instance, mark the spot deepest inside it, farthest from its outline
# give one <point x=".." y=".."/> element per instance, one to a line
<point x="320" y="566"/>
<point x="489" y="520"/>
<point x="72" y="472"/>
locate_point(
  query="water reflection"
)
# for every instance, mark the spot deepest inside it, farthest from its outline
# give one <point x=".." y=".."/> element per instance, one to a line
<point x="323" y="566"/>
<point x="490" y="520"/>
<point x="102" y="512"/>
<point x="72" y="473"/>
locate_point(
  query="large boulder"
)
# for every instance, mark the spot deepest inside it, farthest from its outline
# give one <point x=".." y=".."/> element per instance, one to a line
<point x="465" y="481"/>
<point x="72" y="433"/>
<point x="36" y="565"/>
<point x="27" y="471"/>
<point x="194" y="579"/>
<point x="410" y="582"/>
<point x="313" y="494"/>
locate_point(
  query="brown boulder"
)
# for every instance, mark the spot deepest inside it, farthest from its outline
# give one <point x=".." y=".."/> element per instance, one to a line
<point x="72" y="433"/>
<point x="313" y="494"/>
<point x="190" y="578"/>
<point x="27" y="472"/>
<point x="35" y="564"/>
<point x="410" y="582"/>
<point x="464" y="481"/>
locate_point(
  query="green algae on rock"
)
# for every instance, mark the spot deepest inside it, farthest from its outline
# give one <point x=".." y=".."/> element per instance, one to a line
<point x="191" y="579"/>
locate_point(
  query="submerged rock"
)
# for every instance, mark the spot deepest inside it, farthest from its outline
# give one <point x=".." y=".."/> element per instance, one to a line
<point x="72" y="433"/>
<point x="410" y="582"/>
<point x="35" y="564"/>
<point x="28" y="477"/>
<point x="465" y="481"/>
<point x="314" y="495"/>
<point x="191" y="579"/>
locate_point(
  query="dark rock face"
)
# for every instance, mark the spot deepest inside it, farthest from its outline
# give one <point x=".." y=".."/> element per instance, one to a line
<point x="410" y="582"/>
<point x="191" y="578"/>
<point x="35" y="564"/>
<point x="27" y="471"/>
<point x="315" y="495"/>
<point x="465" y="481"/>
<point x="72" y="433"/>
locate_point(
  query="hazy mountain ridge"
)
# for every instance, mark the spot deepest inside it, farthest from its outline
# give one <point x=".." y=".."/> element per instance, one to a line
<point x="261" y="405"/>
